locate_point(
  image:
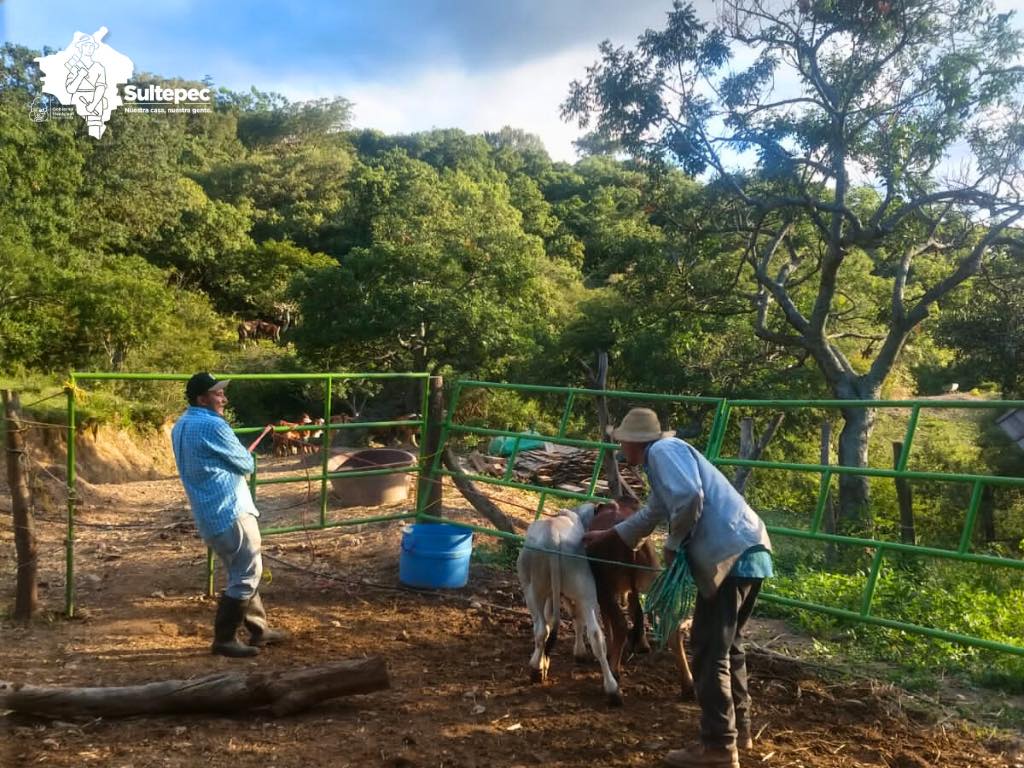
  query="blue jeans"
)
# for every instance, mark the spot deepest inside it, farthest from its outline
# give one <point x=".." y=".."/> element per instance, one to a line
<point x="238" y="547"/>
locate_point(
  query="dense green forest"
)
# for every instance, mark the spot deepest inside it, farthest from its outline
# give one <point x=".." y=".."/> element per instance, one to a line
<point x="835" y="265"/>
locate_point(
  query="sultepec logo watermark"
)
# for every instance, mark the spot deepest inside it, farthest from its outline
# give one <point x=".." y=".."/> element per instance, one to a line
<point x="85" y="75"/>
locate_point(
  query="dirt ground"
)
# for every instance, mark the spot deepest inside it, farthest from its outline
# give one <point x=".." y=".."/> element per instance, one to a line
<point x="460" y="692"/>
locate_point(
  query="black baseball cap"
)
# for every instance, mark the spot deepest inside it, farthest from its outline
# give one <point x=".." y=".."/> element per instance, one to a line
<point x="202" y="383"/>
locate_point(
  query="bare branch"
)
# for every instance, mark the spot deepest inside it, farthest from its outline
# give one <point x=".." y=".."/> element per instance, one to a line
<point x="855" y="335"/>
<point x="763" y="332"/>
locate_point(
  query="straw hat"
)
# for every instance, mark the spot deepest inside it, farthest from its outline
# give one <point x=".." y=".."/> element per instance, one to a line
<point x="640" y="425"/>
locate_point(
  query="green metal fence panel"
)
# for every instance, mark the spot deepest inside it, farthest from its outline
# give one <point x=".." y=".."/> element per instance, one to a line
<point x="716" y="440"/>
<point x="901" y="471"/>
<point x="254" y="481"/>
<point x="563" y="425"/>
<point x="326" y="451"/>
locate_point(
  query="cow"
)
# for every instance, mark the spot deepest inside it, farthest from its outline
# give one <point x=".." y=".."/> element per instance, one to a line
<point x="285" y="441"/>
<point x="253" y="330"/>
<point x="338" y="418"/>
<point x="552" y="564"/>
<point x="399" y="435"/>
<point x="311" y="440"/>
<point x="265" y="330"/>
<point x="246" y="331"/>
<point x="613" y="582"/>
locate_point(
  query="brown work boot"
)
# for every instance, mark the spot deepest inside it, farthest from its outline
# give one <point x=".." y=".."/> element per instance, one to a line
<point x="703" y="756"/>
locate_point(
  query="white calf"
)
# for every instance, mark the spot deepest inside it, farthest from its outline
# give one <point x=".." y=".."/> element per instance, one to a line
<point x="546" y="573"/>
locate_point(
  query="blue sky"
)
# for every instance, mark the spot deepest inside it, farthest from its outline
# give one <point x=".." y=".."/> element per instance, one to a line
<point x="407" y="65"/>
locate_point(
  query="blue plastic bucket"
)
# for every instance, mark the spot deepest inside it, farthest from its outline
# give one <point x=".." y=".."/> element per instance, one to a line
<point x="435" y="555"/>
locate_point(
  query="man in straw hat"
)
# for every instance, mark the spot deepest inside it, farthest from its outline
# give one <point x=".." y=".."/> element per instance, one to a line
<point x="213" y="465"/>
<point x="728" y="551"/>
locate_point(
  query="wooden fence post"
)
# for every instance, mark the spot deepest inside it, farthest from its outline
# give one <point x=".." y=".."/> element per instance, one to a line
<point x="26" y="600"/>
<point x="908" y="535"/>
<point x="431" y="442"/>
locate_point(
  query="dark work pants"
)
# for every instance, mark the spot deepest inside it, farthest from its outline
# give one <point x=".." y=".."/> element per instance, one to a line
<point x="719" y="662"/>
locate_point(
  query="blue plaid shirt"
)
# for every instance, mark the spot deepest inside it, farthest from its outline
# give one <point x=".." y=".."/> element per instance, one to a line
<point x="212" y="464"/>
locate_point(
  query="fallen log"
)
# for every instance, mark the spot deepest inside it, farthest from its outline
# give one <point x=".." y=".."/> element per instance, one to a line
<point x="282" y="692"/>
<point x="477" y="500"/>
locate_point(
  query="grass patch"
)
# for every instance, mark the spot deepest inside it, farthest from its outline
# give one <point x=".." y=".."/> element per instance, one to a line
<point x="929" y="595"/>
<point x="501" y="554"/>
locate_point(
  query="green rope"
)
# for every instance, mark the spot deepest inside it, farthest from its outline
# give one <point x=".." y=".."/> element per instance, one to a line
<point x="670" y="599"/>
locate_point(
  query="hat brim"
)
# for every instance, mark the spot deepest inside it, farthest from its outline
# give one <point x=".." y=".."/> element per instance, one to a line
<point x="629" y="436"/>
<point x="219" y="385"/>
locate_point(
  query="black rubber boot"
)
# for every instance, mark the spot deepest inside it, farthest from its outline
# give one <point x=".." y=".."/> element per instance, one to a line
<point x="744" y="738"/>
<point x="256" y="622"/>
<point x="230" y="613"/>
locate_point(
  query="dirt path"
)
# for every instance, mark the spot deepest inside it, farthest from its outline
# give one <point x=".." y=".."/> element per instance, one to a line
<point x="460" y="695"/>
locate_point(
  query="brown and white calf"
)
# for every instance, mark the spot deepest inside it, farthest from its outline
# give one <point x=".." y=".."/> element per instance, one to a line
<point x="284" y="442"/>
<point x="311" y="441"/>
<point x="550" y="565"/>
<point x="627" y="581"/>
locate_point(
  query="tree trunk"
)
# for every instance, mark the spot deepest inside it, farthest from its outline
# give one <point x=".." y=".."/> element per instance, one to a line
<point x="747" y="440"/>
<point x="854" y="495"/>
<point x="908" y="534"/>
<point x="284" y="693"/>
<point x="987" y="511"/>
<point x="478" y="500"/>
<point x="428" y="488"/>
<point x="828" y="521"/>
<point x="751" y="448"/>
<point x="617" y="485"/>
<point x="26" y="600"/>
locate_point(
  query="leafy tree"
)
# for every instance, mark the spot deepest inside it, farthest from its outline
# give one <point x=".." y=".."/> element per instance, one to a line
<point x="111" y="308"/>
<point x="602" y="208"/>
<point x="29" y="316"/>
<point x="883" y="93"/>
<point x="449" y="148"/>
<point x="265" y="118"/>
<point x="96" y="311"/>
<point x="448" y="279"/>
<point x="41" y="164"/>
<point x="257" y="280"/>
<point x="131" y="186"/>
<point x="200" y="140"/>
<point x="985" y="325"/>
<point x="516" y="151"/>
<point x="296" y="190"/>
<point x="201" y="235"/>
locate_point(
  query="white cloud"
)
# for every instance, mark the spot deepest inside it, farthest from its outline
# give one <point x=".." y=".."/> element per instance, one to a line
<point x="445" y="94"/>
<point x="525" y="96"/>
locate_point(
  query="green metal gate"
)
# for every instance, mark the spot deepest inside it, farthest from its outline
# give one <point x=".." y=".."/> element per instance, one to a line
<point x="721" y="410"/>
<point x="324" y="477"/>
<point x="716" y="436"/>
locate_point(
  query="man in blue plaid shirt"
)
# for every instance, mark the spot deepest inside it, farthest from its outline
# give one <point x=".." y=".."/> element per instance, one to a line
<point x="213" y="464"/>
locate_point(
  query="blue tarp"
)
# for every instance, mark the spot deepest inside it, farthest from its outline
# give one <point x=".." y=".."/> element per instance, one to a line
<point x="502" y="446"/>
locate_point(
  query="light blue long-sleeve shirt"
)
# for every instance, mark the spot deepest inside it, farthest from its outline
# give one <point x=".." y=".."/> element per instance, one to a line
<point x="723" y="535"/>
<point x="212" y="464"/>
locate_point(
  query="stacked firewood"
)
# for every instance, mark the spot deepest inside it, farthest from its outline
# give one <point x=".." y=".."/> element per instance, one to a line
<point x="559" y="466"/>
